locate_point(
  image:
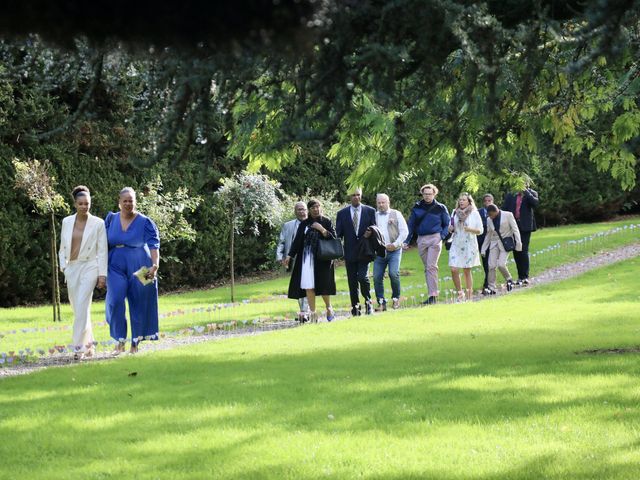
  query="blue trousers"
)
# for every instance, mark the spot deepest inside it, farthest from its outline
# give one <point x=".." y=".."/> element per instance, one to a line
<point x="391" y="261"/>
<point x="142" y="299"/>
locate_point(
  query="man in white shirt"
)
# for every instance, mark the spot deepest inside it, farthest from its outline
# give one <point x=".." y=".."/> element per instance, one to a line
<point x="287" y="234"/>
<point x="394" y="229"/>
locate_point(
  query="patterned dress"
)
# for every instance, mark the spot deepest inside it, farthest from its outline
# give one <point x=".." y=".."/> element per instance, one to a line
<point x="464" y="245"/>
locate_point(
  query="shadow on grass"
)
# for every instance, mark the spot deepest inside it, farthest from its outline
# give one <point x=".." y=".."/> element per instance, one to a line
<point x="192" y="400"/>
<point x="290" y="411"/>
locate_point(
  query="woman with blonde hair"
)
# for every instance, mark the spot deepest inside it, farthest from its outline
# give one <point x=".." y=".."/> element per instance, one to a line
<point x="83" y="260"/>
<point x="466" y="225"/>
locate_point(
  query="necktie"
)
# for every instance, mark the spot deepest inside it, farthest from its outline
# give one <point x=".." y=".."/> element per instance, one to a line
<point x="518" y="205"/>
<point x="355" y="221"/>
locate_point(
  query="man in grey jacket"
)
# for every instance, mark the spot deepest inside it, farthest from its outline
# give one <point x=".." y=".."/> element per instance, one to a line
<point x="287" y="234"/>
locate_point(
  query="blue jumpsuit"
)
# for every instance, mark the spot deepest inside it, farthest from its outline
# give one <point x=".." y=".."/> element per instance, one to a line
<point x="128" y="251"/>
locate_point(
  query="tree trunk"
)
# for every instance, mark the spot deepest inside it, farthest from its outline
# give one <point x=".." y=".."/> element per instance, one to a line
<point x="233" y="279"/>
<point x="54" y="268"/>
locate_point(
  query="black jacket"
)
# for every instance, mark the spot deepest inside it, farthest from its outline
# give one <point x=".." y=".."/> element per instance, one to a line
<point x="530" y="200"/>
<point x="325" y="282"/>
<point x="368" y="248"/>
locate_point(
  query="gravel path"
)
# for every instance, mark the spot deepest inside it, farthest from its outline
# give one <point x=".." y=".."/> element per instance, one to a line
<point x="552" y="275"/>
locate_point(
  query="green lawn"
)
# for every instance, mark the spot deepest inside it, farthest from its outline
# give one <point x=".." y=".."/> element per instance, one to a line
<point x="412" y="280"/>
<point x="490" y="390"/>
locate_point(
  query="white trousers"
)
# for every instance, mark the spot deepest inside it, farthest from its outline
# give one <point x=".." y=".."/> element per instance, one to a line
<point x="81" y="279"/>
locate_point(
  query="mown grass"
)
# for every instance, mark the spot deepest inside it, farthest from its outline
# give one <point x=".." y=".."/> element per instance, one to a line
<point x="490" y="390"/>
<point x="413" y="276"/>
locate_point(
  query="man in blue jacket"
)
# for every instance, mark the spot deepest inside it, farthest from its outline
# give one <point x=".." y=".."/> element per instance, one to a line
<point x="429" y="220"/>
<point x="351" y="224"/>
<point x="522" y="204"/>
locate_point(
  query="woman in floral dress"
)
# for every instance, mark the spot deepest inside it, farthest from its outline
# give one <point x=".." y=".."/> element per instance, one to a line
<point x="466" y="224"/>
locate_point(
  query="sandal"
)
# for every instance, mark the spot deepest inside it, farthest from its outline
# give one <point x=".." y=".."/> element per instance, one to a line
<point x="119" y="348"/>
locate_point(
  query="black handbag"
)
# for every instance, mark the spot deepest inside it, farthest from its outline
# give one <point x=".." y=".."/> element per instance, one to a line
<point x="329" y="249"/>
<point x="508" y="243"/>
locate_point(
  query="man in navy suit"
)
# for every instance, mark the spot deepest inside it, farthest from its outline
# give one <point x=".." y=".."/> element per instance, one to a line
<point x="351" y="224"/>
<point x="522" y="204"/>
<point x="486" y="201"/>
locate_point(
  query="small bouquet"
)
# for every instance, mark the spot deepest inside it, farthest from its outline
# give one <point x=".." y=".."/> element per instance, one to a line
<point x="141" y="275"/>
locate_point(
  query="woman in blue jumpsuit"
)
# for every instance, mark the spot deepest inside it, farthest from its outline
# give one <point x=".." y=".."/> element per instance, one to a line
<point x="134" y="242"/>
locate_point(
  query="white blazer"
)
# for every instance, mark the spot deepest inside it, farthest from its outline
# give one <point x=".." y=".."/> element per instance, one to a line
<point x="94" y="243"/>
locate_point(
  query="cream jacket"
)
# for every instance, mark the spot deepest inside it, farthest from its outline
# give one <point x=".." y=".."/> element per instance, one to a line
<point x="508" y="228"/>
<point x="94" y="243"/>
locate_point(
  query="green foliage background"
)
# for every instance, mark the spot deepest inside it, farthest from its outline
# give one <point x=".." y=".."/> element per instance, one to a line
<point x="392" y="95"/>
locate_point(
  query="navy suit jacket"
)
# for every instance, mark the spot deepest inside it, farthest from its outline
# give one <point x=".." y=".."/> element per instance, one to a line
<point x="527" y="220"/>
<point x="483" y="215"/>
<point x="344" y="229"/>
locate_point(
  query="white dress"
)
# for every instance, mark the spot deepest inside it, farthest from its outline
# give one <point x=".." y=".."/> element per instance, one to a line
<point x="464" y="251"/>
<point x="307" y="277"/>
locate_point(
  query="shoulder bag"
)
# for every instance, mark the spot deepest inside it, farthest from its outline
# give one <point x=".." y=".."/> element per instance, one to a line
<point x="508" y="243"/>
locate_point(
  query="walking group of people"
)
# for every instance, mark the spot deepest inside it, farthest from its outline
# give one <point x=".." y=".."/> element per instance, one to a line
<point x="121" y="253"/>
<point x="473" y="237"/>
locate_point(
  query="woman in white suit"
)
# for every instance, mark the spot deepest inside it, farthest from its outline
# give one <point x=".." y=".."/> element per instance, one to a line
<point x="83" y="259"/>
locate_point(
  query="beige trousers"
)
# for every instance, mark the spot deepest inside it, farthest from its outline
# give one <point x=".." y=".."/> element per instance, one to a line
<point x="429" y="248"/>
<point x="81" y="278"/>
<point x="497" y="259"/>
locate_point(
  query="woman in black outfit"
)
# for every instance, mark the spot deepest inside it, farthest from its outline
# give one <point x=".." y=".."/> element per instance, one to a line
<point x="312" y="277"/>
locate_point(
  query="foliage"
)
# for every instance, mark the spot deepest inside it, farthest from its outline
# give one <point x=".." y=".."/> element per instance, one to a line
<point x="447" y="88"/>
<point x="251" y="199"/>
<point x="33" y="178"/>
<point x="478" y="97"/>
<point x="167" y="210"/>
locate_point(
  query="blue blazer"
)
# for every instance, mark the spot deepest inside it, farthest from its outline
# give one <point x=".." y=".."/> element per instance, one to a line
<point x="483" y="216"/>
<point x="344" y="229"/>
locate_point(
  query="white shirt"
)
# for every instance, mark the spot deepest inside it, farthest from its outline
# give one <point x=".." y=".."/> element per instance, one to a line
<point x="382" y="222"/>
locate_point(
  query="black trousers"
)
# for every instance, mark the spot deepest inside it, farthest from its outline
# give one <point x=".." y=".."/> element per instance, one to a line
<point x="485" y="267"/>
<point x="358" y="279"/>
<point x="522" y="258"/>
<point x="485" y="263"/>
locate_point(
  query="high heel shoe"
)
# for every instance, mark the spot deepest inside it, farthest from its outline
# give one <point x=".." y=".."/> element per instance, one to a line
<point x="330" y="314"/>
